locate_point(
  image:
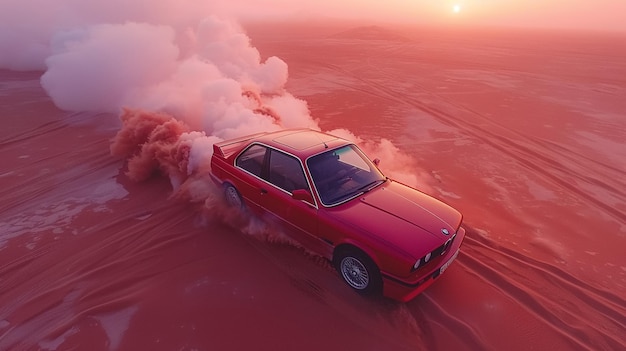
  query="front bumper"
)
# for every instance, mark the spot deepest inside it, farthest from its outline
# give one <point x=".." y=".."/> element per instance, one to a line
<point x="405" y="290"/>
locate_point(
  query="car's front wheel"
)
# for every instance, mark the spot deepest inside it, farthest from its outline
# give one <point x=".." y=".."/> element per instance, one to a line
<point x="359" y="271"/>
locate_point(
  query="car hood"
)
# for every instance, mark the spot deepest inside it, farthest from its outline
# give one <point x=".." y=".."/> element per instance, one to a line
<point x="404" y="217"/>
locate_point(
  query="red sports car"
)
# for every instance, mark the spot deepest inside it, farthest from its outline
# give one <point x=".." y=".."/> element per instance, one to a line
<point x="381" y="235"/>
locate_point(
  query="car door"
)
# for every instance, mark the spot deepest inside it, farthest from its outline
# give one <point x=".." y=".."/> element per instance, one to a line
<point x="252" y="162"/>
<point x="298" y="217"/>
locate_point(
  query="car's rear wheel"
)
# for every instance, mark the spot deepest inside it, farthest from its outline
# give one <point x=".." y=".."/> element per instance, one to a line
<point x="359" y="271"/>
<point x="233" y="199"/>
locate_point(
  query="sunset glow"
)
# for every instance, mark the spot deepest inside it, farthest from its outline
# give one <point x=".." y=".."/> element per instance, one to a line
<point x="571" y="14"/>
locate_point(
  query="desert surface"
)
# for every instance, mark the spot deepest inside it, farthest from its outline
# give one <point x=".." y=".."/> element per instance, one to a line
<point x="524" y="132"/>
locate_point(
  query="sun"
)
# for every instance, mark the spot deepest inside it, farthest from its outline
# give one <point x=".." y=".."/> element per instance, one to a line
<point x="456" y="8"/>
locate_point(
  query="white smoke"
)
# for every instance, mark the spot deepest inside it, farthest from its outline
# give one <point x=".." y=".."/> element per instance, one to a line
<point x="100" y="68"/>
<point x="166" y="56"/>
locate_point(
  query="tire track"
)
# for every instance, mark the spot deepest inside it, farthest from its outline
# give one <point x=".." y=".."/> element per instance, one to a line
<point x="42" y="304"/>
<point x="470" y="336"/>
<point x="529" y="157"/>
<point x="604" y="314"/>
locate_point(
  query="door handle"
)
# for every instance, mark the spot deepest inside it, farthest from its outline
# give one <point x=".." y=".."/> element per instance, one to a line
<point x="263" y="191"/>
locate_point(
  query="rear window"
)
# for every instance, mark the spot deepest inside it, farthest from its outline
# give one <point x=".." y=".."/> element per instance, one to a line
<point x="251" y="160"/>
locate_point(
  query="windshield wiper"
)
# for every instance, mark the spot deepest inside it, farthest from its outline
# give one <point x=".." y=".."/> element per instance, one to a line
<point x="371" y="185"/>
<point x="362" y="190"/>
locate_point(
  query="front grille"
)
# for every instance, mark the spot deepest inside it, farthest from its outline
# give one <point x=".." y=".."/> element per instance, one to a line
<point x="444" y="248"/>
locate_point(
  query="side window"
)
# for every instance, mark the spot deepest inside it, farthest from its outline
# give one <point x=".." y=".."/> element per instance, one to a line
<point x="252" y="159"/>
<point x="286" y="172"/>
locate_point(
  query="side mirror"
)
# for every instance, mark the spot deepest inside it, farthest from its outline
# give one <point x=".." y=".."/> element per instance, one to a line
<point x="302" y="195"/>
<point x="376" y="162"/>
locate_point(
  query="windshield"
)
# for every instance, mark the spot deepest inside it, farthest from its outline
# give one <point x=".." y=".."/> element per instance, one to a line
<point x="343" y="173"/>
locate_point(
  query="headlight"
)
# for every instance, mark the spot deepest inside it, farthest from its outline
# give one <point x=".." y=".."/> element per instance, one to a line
<point x="422" y="261"/>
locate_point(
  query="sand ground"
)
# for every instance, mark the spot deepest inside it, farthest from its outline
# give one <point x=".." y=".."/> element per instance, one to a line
<point x="524" y="133"/>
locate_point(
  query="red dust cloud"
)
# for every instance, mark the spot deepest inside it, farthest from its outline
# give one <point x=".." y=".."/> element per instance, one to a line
<point x="152" y="142"/>
<point x="112" y="236"/>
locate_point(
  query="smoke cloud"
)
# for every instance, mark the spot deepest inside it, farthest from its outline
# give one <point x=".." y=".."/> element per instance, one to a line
<point x="102" y="67"/>
<point x="180" y="77"/>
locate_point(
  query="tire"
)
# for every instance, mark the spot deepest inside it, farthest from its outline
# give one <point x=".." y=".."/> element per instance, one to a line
<point x="359" y="271"/>
<point x="232" y="197"/>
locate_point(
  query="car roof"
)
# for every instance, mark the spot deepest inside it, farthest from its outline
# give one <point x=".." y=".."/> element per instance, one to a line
<point x="301" y="142"/>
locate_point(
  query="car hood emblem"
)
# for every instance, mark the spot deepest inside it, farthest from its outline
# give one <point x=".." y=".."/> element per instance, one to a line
<point x="445" y="231"/>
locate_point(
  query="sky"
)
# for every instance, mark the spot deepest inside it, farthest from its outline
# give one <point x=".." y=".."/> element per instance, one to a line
<point x="577" y="14"/>
<point x="580" y="14"/>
